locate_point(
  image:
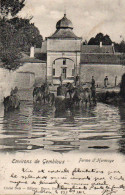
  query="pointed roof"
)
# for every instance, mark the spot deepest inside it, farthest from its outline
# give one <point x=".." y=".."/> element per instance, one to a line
<point x="64" y="29"/>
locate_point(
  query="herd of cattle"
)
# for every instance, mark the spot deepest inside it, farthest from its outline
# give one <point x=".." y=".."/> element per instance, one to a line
<point x="66" y="96"/>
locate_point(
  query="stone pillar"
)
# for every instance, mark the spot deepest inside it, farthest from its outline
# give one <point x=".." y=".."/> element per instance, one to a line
<point x="49" y="68"/>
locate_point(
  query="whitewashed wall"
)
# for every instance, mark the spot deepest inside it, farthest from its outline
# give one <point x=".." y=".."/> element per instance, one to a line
<point x="7" y="79"/>
<point x="24" y="80"/>
<point x="39" y="70"/>
<point x="99" y="71"/>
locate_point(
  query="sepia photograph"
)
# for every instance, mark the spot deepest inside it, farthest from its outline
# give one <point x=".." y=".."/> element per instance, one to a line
<point x="62" y="97"/>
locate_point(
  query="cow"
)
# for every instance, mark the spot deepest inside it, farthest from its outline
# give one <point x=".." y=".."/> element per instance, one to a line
<point x="70" y="89"/>
<point x="37" y="94"/>
<point x="82" y="95"/>
<point x="76" y="97"/>
<point x="51" y="98"/>
<point x="11" y="102"/>
<point x="41" y="93"/>
<point x="85" y="96"/>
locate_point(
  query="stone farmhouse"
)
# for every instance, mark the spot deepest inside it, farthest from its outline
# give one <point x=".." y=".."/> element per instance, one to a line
<point x="63" y="54"/>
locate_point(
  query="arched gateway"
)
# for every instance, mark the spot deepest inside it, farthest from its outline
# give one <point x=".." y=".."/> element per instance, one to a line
<point x="64" y="67"/>
<point x="63" y="53"/>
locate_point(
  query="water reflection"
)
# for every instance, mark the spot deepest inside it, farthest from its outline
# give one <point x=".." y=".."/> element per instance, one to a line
<point x="82" y="129"/>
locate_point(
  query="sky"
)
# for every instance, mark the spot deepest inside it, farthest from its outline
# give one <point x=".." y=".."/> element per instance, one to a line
<point x="89" y="17"/>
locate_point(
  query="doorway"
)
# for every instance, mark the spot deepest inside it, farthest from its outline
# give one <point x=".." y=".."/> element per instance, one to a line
<point x="64" y="72"/>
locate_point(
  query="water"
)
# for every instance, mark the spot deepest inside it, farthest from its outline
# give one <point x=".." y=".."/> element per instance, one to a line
<point x="41" y="129"/>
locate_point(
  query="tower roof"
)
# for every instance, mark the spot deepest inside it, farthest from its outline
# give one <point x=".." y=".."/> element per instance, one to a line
<point x="64" y="30"/>
<point x="64" y="23"/>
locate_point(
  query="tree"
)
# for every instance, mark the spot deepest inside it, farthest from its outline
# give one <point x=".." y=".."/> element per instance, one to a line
<point x="11" y="7"/>
<point x="9" y="45"/>
<point x="105" y="39"/>
<point x="28" y="34"/>
<point x="17" y="34"/>
<point x="92" y="41"/>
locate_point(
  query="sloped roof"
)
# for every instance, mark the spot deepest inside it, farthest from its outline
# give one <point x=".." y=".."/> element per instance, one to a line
<point x="100" y="59"/>
<point x="26" y="58"/>
<point x="64" y="33"/>
<point x="97" y="49"/>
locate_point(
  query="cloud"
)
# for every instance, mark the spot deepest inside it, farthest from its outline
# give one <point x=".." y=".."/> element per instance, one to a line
<point x="55" y="14"/>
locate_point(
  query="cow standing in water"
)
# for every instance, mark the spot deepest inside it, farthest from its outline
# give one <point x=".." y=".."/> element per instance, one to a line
<point x="86" y="96"/>
<point x="82" y="95"/>
<point x="37" y="94"/>
<point x="12" y="102"/>
<point x="69" y="89"/>
<point x="77" y="96"/>
<point x="43" y="94"/>
<point x="40" y="93"/>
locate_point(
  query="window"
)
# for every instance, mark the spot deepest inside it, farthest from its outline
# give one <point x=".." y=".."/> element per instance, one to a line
<point x="73" y="71"/>
<point x="53" y="71"/>
<point x="64" y="61"/>
<point x="64" y="70"/>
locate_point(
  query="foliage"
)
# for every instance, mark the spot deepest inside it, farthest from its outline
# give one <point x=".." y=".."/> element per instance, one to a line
<point x="11" y="7"/>
<point x="120" y="47"/>
<point x="28" y="34"/>
<point x="105" y="39"/>
<point x="17" y="34"/>
<point x="9" y="46"/>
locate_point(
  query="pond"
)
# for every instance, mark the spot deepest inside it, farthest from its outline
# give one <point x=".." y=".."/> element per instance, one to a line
<point x="42" y="129"/>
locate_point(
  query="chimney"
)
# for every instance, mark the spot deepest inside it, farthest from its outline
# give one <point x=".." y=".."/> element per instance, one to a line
<point x="32" y="51"/>
<point x="101" y="44"/>
<point x="113" y="48"/>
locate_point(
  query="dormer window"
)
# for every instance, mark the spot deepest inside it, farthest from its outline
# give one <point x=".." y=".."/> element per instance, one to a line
<point x="64" y="61"/>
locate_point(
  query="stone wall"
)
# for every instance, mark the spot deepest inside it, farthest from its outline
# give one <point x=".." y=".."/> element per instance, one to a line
<point x="58" y="66"/>
<point x="6" y="82"/>
<point x="39" y="70"/>
<point x="99" y="71"/>
<point x="52" y="56"/>
<point x="62" y="48"/>
<point x="63" y="45"/>
<point x="24" y="80"/>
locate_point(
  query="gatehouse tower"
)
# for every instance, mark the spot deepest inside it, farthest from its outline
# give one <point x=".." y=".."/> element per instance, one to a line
<point x="63" y="53"/>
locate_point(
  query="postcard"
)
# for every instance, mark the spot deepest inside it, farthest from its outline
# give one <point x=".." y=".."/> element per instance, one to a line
<point x="62" y="97"/>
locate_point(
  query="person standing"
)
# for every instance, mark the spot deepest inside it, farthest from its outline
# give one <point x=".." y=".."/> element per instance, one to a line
<point x="105" y="81"/>
<point x="93" y="81"/>
<point x="61" y="79"/>
<point x="76" y="79"/>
